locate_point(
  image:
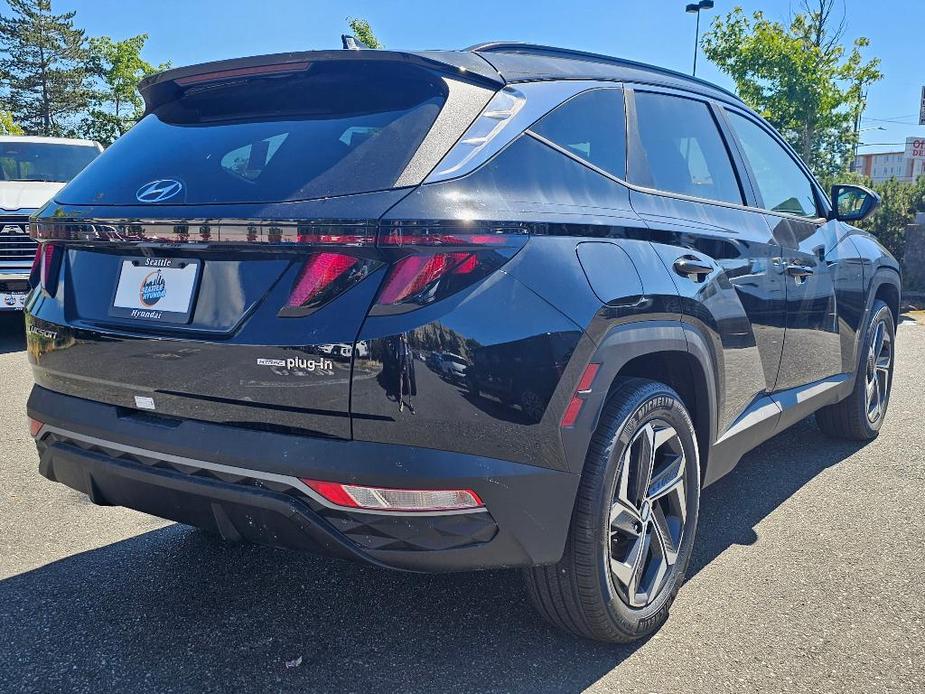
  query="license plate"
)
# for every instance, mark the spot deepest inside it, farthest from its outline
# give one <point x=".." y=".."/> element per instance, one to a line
<point x="12" y="301"/>
<point x="156" y="289"/>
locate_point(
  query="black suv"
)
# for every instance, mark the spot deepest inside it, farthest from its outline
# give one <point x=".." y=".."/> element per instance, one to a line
<point x="633" y="248"/>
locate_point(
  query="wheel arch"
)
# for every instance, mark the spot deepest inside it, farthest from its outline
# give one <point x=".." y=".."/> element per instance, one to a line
<point x="670" y="352"/>
<point x="886" y="286"/>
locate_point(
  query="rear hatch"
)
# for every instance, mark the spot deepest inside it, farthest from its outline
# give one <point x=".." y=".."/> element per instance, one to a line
<point x="217" y="262"/>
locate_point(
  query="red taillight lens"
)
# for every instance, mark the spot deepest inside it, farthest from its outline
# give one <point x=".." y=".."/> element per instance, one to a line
<point x="48" y="262"/>
<point x="317" y="275"/>
<point x="324" y="276"/>
<point x="415" y="273"/>
<point x="445" y="261"/>
<point x="414" y="236"/>
<point x="390" y="499"/>
<point x="45" y="267"/>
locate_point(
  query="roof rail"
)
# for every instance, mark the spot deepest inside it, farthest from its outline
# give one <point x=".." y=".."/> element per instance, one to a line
<point x="539" y="49"/>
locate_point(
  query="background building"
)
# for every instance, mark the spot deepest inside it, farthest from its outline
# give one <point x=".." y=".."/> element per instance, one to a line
<point x="906" y="165"/>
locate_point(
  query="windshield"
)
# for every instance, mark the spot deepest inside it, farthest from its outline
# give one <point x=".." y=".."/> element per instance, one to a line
<point x="333" y="129"/>
<point x="43" y="161"/>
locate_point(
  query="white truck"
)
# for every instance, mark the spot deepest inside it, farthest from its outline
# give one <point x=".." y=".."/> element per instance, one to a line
<point x="32" y="170"/>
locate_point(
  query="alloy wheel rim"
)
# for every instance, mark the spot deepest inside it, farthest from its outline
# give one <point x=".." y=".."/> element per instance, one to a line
<point x="877" y="377"/>
<point x="648" y="513"/>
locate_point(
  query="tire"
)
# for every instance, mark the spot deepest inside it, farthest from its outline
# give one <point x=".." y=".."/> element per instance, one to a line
<point x="585" y="592"/>
<point x="851" y="418"/>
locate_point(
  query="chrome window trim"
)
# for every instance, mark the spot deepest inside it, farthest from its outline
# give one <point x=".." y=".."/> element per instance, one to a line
<point x="472" y="150"/>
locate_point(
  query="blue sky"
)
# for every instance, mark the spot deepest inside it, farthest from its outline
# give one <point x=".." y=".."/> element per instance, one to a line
<point x="655" y="31"/>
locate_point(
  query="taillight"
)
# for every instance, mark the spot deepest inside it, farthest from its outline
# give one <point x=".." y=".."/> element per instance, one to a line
<point x="34" y="278"/>
<point x="45" y="267"/>
<point x="441" y="262"/>
<point x="323" y="276"/>
<point x="413" y="274"/>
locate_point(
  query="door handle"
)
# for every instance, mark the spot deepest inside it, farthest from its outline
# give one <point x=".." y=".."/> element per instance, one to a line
<point x="692" y="268"/>
<point x="799" y="271"/>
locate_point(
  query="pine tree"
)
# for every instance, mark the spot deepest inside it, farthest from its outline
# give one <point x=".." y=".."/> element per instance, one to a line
<point x="44" y="67"/>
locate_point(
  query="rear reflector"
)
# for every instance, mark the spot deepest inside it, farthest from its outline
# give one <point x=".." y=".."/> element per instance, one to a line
<point x="573" y="409"/>
<point x="389" y="499"/>
<point x="35" y="426"/>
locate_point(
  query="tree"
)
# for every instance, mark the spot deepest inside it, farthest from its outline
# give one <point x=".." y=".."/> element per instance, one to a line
<point x="116" y="104"/>
<point x="44" y="66"/>
<point x="7" y="125"/>
<point x="799" y="77"/>
<point x="362" y="31"/>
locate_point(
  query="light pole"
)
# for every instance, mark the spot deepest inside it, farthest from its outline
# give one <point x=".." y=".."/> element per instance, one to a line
<point x="695" y="8"/>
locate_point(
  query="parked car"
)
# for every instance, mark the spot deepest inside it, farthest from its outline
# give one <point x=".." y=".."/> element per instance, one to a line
<point x="704" y="293"/>
<point x="453" y="367"/>
<point x="32" y="169"/>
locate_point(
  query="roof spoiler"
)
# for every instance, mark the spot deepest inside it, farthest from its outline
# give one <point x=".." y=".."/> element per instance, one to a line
<point x="169" y="85"/>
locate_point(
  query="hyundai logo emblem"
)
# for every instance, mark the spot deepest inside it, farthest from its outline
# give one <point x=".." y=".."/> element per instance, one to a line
<point x="159" y="190"/>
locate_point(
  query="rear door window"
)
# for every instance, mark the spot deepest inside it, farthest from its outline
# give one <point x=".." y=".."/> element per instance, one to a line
<point x="682" y="149"/>
<point x="337" y="128"/>
<point x="591" y="126"/>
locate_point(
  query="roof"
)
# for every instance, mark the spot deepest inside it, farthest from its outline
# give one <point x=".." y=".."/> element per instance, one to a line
<point x="49" y="140"/>
<point x="496" y="63"/>
<point x="522" y="62"/>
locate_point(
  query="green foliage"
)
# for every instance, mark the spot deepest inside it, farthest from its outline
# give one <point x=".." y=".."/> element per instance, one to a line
<point x="362" y="31"/>
<point x="897" y="210"/>
<point x="899" y="203"/>
<point x="116" y="104"/>
<point x="799" y="77"/>
<point x="44" y="67"/>
<point x="7" y="125"/>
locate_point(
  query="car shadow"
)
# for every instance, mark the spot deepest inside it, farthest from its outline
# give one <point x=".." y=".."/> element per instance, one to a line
<point x="12" y="332"/>
<point x="172" y="609"/>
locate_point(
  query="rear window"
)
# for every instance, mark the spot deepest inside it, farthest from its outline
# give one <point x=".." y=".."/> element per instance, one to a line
<point x="43" y="161"/>
<point x="333" y="129"/>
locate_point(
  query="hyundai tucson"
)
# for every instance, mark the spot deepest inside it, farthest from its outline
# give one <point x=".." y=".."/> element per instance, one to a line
<point x="635" y="278"/>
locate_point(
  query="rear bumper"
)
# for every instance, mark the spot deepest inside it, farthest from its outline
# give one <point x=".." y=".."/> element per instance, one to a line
<point x="244" y="484"/>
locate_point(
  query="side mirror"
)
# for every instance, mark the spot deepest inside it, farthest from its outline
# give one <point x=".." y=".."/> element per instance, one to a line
<point x="853" y="203"/>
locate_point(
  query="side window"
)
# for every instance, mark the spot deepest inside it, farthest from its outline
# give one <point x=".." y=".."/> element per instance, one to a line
<point x="683" y="148"/>
<point x="591" y="126"/>
<point x="782" y="184"/>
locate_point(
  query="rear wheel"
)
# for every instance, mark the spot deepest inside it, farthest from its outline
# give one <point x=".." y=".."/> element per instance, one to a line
<point x="860" y="415"/>
<point x="633" y="527"/>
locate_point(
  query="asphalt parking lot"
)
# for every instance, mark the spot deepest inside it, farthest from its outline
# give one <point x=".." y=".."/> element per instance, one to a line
<point x="808" y="575"/>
